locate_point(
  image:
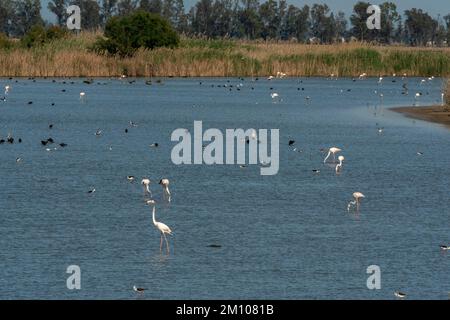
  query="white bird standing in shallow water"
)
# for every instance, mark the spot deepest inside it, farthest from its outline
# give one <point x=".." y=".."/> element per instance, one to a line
<point x="357" y="196"/>
<point x="82" y="96"/>
<point x="160" y="226"/>
<point x="333" y="151"/>
<point x="146" y="183"/>
<point x="275" y="96"/>
<point x="339" y="165"/>
<point x="165" y="184"/>
<point x="138" y="290"/>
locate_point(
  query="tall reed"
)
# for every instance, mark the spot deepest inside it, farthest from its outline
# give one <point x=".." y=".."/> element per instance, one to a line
<point x="200" y="57"/>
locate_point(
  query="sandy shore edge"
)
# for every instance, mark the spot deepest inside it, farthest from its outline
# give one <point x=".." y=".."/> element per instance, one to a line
<point x="436" y="114"/>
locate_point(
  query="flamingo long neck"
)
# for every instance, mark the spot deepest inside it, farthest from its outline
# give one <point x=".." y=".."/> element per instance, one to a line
<point x="153" y="215"/>
<point x="328" y="155"/>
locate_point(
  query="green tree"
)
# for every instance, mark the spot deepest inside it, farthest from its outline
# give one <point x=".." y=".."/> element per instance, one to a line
<point x="270" y="19"/>
<point x="359" y="22"/>
<point x="90" y="13"/>
<point x="124" y="35"/>
<point x="222" y="16"/>
<point x="420" y="27"/>
<point x="7" y="16"/>
<point x="389" y="18"/>
<point x="295" y="24"/>
<point x="27" y="15"/>
<point x="340" y="26"/>
<point x="126" y="7"/>
<point x="248" y="19"/>
<point x="58" y="8"/>
<point x="447" y="24"/>
<point x="180" y="18"/>
<point x="322" y="23"/>
<point x="107" y="10"/>
<point x="152" y="6"/>
<point x="202" y="19"/>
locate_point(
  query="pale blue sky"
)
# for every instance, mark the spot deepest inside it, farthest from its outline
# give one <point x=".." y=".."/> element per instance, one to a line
<point x="434" y="7"/>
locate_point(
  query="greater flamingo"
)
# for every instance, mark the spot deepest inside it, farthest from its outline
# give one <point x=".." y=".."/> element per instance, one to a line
<point x="357" y="196"/>
<point x="339" y="165"/>
<point x="146" y="183"/>
<point x="333" y="151"/>
<point x="160" y="226"/>
<point x="165" y="184"/>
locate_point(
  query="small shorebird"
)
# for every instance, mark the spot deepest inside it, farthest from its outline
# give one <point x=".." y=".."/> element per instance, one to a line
<point x="444" y="247"/>
<point x="399" y="294"/>
<point x="138" y="290"/>
<point x="130" y="178"/>
<point x="91" y="191"/>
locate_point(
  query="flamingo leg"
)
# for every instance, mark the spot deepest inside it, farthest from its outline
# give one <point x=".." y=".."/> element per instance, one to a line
<point x="149" y="192"/>
<point x="167" y="243"/>
<point x="160" y="243"/>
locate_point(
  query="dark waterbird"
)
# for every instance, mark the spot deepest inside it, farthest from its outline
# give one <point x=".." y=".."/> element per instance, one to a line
<point x="48" y="141"/>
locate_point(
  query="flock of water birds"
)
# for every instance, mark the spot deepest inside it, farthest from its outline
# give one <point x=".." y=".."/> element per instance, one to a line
<point x="337" y="159"/>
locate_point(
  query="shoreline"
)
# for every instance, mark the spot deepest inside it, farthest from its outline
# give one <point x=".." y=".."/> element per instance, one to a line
<point x="435" y="114"/>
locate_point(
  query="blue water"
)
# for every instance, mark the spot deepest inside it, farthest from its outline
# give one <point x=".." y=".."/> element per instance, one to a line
<point x="287" y="236"/>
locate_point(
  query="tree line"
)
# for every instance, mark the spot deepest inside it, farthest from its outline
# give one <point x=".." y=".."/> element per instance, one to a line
<point x="244" y="19"/>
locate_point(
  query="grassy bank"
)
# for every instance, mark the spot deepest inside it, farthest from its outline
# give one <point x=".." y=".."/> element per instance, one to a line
<point x="72" y="57"/>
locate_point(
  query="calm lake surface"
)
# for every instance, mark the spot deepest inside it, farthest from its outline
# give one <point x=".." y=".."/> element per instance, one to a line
<point x="287" y="236"/>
